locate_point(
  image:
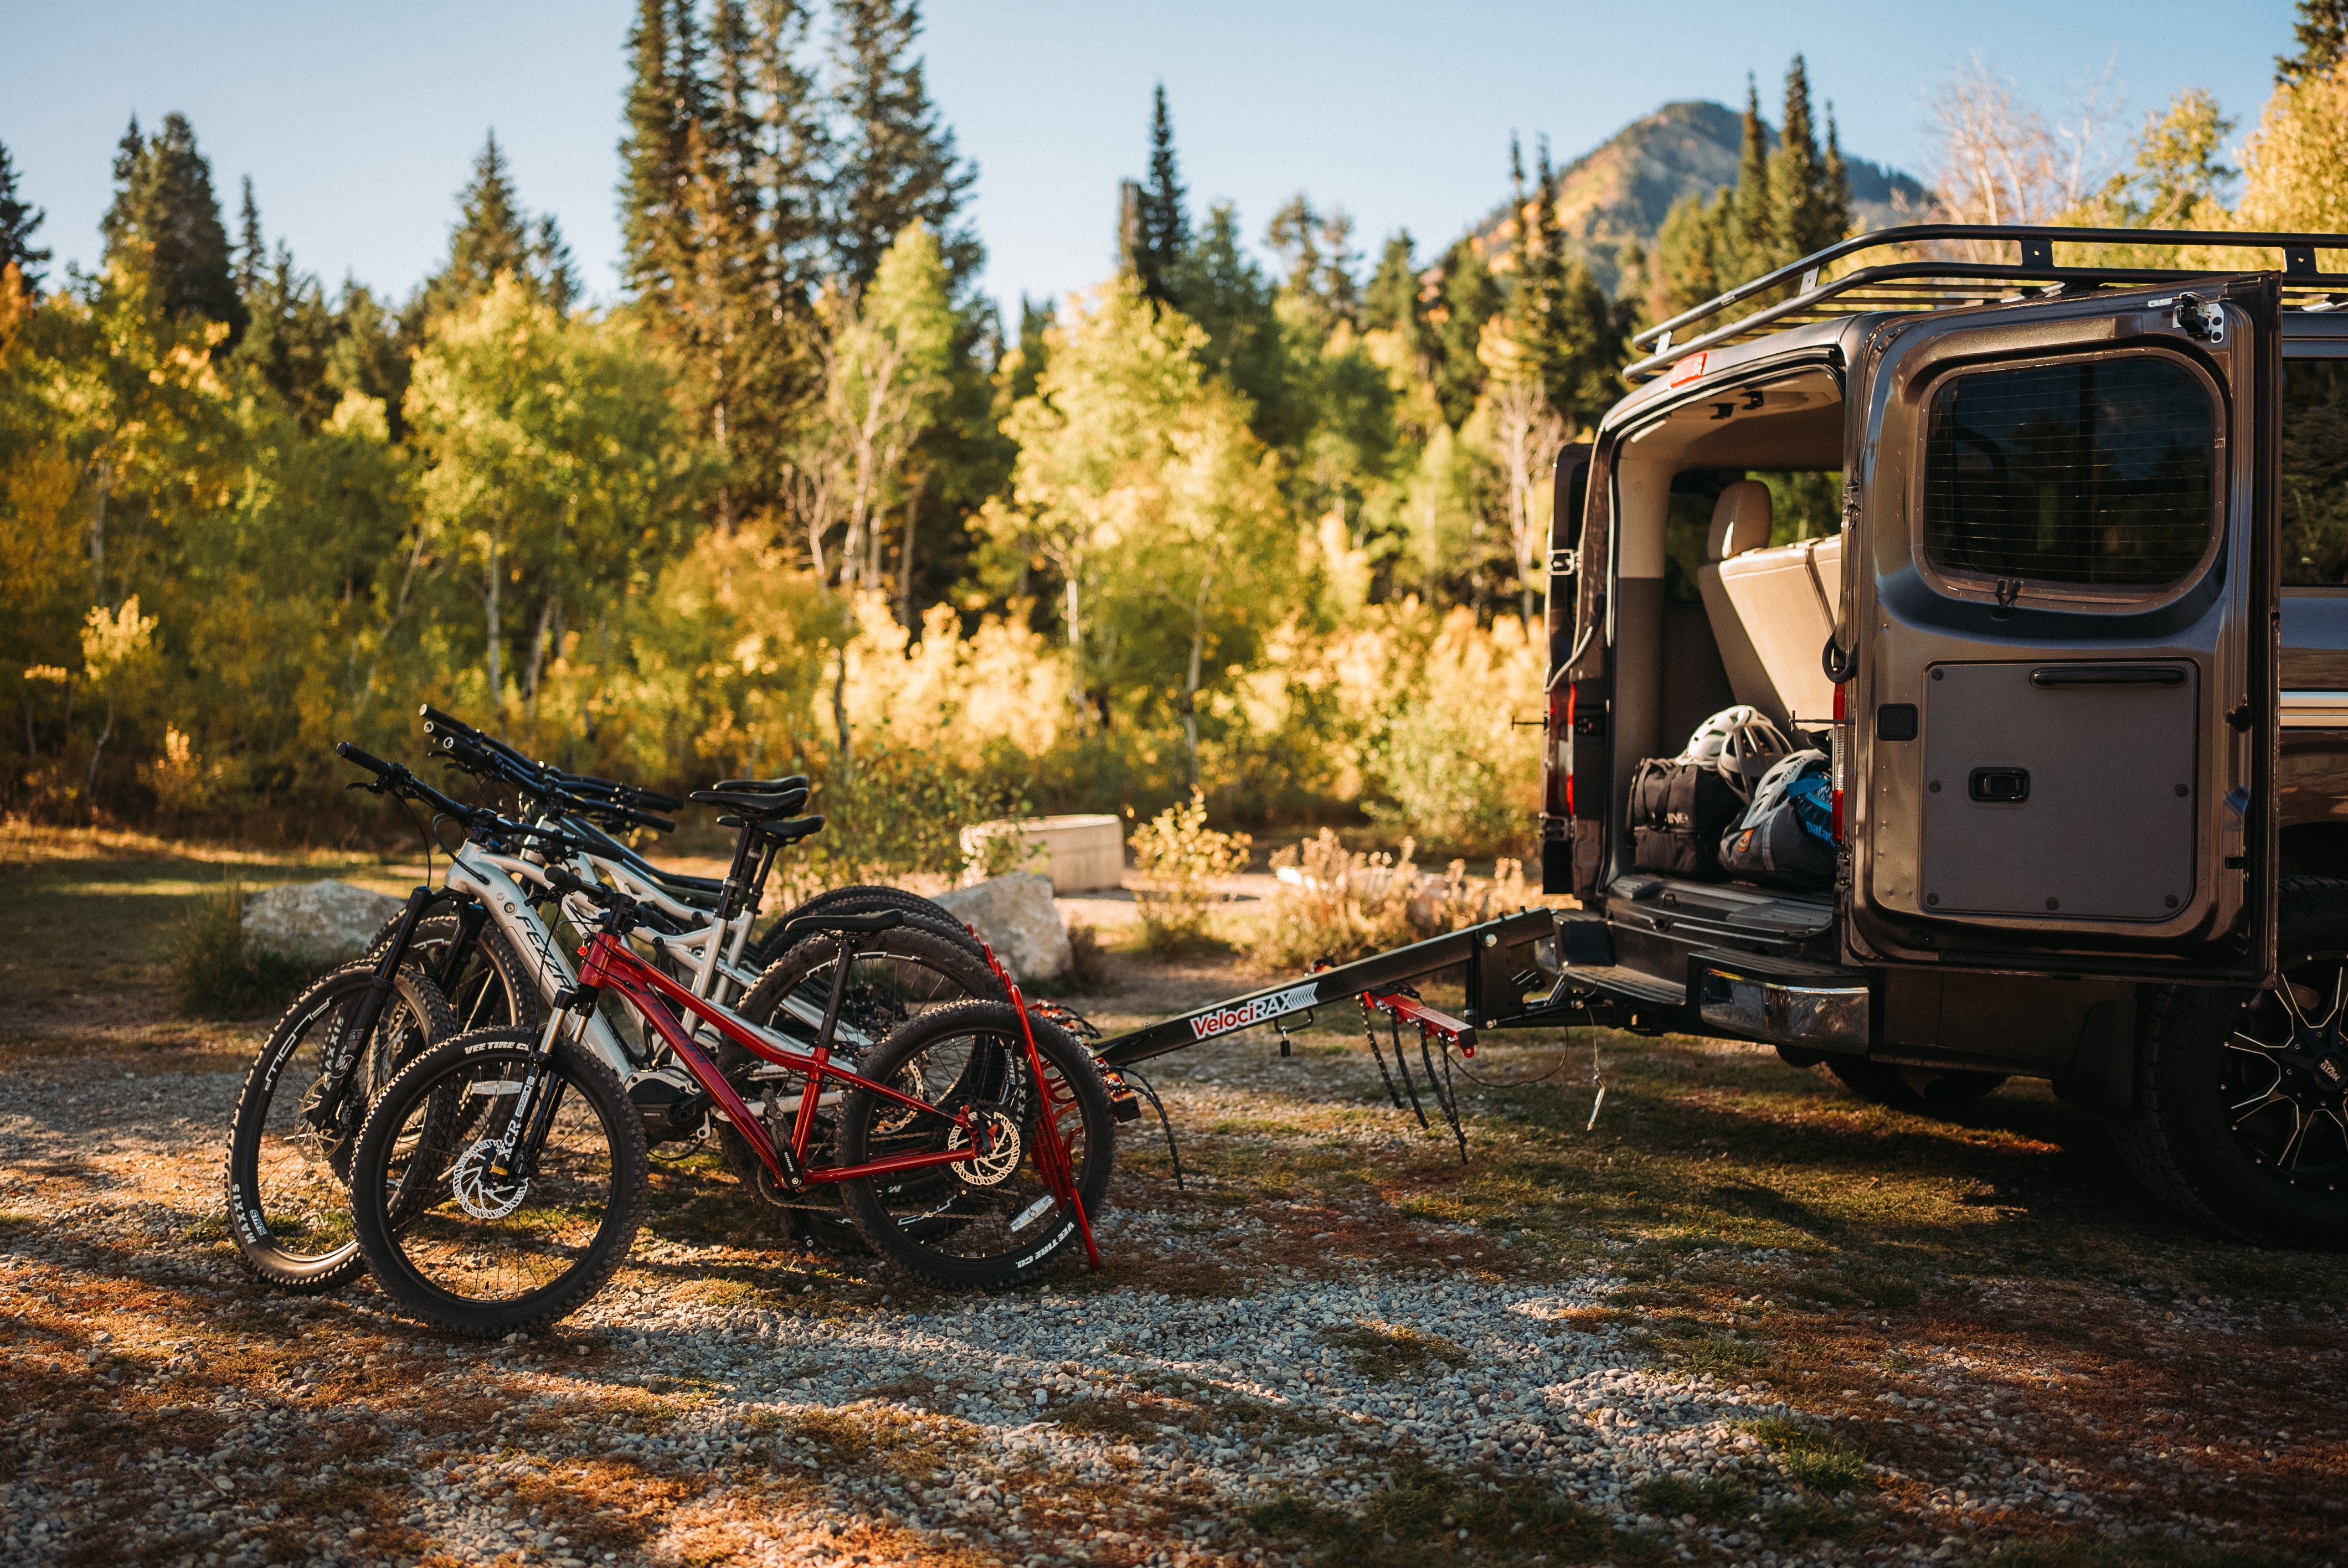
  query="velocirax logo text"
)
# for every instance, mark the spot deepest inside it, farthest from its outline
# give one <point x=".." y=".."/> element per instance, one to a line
<point x="1254" y="1013"/>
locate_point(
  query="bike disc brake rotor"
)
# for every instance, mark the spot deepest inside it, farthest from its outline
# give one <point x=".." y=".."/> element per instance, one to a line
<point x="996" y="1166"/>
<point x="480" y="1191"/>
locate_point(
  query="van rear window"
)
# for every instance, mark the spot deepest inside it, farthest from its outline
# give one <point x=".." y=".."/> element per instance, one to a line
<point x="2090" y="472"/>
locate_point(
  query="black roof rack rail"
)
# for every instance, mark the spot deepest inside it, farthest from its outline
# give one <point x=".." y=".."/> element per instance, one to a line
<point x="1929" y="284"/>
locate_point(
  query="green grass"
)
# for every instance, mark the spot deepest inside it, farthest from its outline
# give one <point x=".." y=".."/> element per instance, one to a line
<point x="1715" y="1501"/>
<point x="1812" y="1459"/>
<point x="1383" y="1352"/>
<point x="2087" y="1548"/>
<point x="1424" y="1511"/>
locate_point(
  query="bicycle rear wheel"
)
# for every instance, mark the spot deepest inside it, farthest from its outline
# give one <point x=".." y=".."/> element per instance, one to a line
<point x="495" y="1247"/>
<point x="998" y="1218"/>
<point x="895" y="976"/>
<point x="865" y="899"/>
<point x="290" y="1139"/>
<point x="493" y="987"/>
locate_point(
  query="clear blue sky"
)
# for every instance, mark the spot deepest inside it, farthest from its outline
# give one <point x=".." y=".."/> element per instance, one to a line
<point x="358" y="124"/>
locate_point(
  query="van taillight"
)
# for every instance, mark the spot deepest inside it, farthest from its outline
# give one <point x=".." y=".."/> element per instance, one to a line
<point x="1841" y="748"/>
<point x="1556" y="766"/>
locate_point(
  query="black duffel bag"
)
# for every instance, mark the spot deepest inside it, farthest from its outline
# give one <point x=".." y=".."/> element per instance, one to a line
<point x="1678" y="812"/>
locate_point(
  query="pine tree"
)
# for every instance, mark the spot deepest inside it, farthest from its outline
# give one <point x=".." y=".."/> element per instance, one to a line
<point x="552" y="264"/>
<point x="494" y="235"/>
<point x="252" y="253"/>
<point x="164" y="214"/>
<point x="1164" y="225"/>
<point x="1390" y="304"/>
<point x="18" y="219"/>
<point x="653" y="226"/>
<point x="896" y="162"/>
<point x="1748" y="239"/>
<point x="1223" y="290"/>
<point x="371" y="355"/>
<point x="2321" y="34"/>
<point x="793" y="146"/>
<point x="1472" y="296"/>
<point x="291" y="338"/>
<point x="1804" y="214"/>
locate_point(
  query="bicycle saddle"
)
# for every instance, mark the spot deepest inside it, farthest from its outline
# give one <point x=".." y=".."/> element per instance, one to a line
<point x="764" y="786"/>
<point x="848" y="925"/>
<point x="757" y="807"/>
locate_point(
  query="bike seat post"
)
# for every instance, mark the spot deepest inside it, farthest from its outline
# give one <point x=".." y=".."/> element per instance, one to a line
<point x="848" y="955"/>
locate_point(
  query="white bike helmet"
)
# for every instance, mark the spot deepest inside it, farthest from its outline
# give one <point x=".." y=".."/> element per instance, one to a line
<point x="1740" y="744"/>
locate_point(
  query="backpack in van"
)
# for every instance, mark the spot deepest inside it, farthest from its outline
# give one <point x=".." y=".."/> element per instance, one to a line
<point x="1678" y="812"/>
<point x="1787" y="836"/>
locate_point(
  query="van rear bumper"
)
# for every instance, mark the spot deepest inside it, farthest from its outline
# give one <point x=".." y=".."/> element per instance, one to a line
<point x="1781" y="1002"/>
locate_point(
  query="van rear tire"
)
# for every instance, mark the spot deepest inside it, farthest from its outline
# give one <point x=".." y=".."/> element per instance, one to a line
<point x="2210" y="1130"/>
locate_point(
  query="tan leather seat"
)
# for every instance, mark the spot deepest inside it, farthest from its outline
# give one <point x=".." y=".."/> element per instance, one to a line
<point x="1771" y="608"/>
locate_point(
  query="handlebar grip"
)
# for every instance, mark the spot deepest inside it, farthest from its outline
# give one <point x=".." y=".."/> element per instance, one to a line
<point x="367" y="760"/>
<point x="645" y="819"/>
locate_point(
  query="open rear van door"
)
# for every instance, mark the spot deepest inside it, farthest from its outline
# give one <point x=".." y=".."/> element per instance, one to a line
<point x="2058" y="738"/>
<point x="1562" y="719"/>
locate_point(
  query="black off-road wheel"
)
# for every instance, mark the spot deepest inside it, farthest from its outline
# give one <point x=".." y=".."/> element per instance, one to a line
<point x="2240" y="1114"/>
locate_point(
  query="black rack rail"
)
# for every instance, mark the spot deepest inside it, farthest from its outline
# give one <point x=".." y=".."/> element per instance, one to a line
<point x="1924" y="282"/>
<point x="1498" y="980"/>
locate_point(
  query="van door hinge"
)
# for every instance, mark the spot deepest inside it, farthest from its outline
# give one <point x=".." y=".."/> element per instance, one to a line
<point x="1849" y="503"/>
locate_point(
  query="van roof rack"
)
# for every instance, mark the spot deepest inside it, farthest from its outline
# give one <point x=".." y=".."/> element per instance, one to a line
<point x="1922" y="282"/>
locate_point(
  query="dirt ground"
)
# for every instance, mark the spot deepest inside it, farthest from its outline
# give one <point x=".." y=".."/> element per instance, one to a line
<point x="1745" y="1318"/>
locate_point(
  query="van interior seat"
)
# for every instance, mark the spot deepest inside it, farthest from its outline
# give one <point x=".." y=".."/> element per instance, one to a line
<point x="1771" y="610"/>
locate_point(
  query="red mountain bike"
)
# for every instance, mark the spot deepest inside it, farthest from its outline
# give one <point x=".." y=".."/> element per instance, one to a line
<point x="970" y="1144"/>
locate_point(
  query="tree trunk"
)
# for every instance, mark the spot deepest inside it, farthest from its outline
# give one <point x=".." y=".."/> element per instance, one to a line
<point x="1191" y="681"/>
<point x="538" y="641"/>
<point x="496" y="640"/>
<point x="97" y="534"/>
<point x="839" y="717"/>
<point x="89" y="784"/>
<point x="905" y="566"/>
<point x="725" y="491"/>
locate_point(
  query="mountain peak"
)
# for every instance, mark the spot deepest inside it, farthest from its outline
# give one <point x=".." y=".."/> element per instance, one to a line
<point x="1619" y="191"/>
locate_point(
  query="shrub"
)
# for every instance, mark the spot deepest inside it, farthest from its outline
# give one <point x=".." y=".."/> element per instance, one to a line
<point x="1177" y="860"/>
<point x="898" y="811"/>
<point x="1340" y="905"/>
<point x="1000" y="850"/>
<point x="214" y="974"/>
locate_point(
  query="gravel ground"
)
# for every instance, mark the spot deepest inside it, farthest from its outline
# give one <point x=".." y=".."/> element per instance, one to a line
<point x="1341" y="1375"/>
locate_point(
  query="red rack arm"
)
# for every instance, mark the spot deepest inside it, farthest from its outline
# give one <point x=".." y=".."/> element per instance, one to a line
<point x="1411" y="1011"/>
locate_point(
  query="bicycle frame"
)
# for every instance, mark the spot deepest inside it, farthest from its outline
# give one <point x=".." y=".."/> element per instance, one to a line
<point x="612" y="964"/>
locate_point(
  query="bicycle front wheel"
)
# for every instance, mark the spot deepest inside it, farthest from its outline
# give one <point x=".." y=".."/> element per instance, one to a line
<point x="290" y="1137"/>
<point x="1001" y="1217"/>
<point x="525" y="1214"/>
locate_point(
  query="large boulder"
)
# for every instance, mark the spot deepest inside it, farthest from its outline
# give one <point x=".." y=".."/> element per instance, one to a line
<point x="1015" y="915"/>
<point x="330" y="922"/>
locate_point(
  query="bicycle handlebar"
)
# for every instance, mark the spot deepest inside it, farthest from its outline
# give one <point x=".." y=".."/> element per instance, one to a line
<point x="367" y="760"/>
<point x="484" y="755"/>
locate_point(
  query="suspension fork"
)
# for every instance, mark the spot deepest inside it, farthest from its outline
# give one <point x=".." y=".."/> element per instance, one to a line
<point x="326" y="1108"/>
<point x="541" y="1092"/>
<point x="471" y="916"/>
